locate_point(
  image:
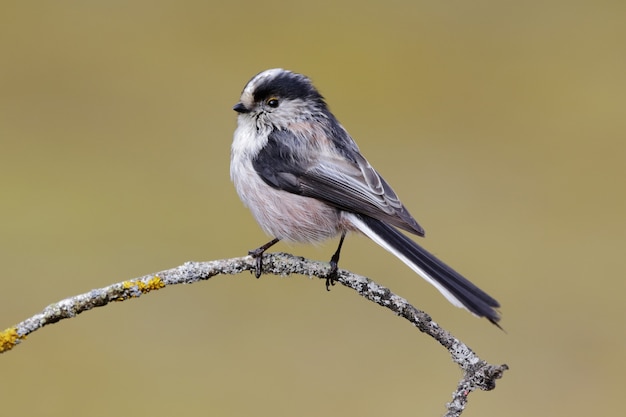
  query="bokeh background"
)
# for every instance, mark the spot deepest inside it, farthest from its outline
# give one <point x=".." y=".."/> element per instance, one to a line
<point x="501" y="125"/>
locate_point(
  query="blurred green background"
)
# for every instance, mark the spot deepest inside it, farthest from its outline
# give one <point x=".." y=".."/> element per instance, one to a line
<point x="501" y="125"/>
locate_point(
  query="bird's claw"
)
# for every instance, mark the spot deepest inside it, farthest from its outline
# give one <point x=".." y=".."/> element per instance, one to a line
<point x="332" y="276"/>
<point x="258" y="257"/>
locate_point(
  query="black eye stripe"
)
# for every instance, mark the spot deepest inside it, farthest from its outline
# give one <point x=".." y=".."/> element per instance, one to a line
<point x="288" y="86"/>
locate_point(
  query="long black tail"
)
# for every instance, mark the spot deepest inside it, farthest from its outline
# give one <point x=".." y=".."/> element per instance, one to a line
<point x="457" y="289"/>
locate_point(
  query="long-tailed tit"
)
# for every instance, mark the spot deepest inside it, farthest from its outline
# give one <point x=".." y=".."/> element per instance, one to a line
<point x="304" y="179"/>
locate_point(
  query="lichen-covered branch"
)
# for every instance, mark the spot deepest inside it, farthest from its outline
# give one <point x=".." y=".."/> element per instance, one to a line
<point x="478" y="374"/>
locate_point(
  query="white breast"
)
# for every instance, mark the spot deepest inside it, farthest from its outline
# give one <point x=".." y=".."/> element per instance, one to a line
<point x="280" y="214"/>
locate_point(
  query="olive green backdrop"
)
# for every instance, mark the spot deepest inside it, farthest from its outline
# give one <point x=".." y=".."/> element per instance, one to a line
<point x="501" y="125"/>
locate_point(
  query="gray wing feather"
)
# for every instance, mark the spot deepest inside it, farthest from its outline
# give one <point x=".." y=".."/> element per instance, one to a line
<point x="347" y="182"/>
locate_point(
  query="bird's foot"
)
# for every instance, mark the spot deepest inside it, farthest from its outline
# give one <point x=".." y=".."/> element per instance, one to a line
<point x="332" y="276"/>
<point x="257" y="254"/>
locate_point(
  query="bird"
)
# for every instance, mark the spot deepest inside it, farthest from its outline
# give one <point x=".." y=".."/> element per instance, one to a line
<point x="305" y="180"/>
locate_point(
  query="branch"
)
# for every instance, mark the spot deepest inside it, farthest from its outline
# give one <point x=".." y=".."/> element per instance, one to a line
<point x="478" y="374"/>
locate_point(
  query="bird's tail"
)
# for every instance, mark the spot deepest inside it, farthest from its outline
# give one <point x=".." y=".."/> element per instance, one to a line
<point x="458" y="290"/>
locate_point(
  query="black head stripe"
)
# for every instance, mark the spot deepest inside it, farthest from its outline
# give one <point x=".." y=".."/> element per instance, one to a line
<point x="287" y="85"/>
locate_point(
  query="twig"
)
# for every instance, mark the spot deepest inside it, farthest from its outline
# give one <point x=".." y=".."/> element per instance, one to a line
<point x="478" y="374"/>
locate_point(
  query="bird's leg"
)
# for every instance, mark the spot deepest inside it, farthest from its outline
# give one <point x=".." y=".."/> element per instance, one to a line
<point x="258" y="255"/>
<point x="334" y="261"/>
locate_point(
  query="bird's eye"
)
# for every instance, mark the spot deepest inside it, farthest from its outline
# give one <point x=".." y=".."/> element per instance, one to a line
<point x="272" y="102"/>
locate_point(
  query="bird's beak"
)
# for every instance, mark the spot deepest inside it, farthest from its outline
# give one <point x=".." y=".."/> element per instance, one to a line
<point x="240" y="108"/>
